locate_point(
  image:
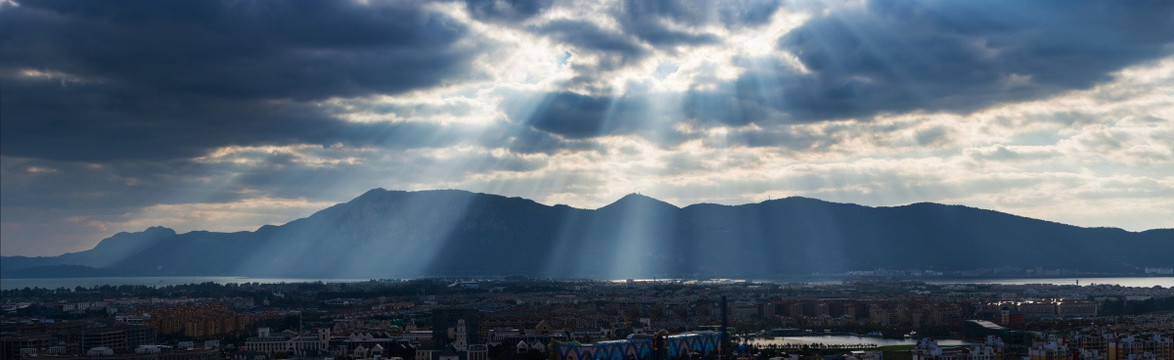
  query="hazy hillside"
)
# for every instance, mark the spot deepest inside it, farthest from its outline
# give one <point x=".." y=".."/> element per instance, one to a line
<point x="395" y="234"/>
<point x="107" y="252"/>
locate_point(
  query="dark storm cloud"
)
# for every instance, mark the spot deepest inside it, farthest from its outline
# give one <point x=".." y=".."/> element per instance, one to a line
<point x="746" y="12"/>
<point x="506" y="10"/>
<point x="725" y="107"/>
<point x="895" y="56"/>
<point x="647" y="27"/>
<point x="134" y="79"/>
<point x="588" y="36"/>
<point x="94" y="122"/>
<point x="530" y="141"/>
<point x="889" y="56"/>
<point x="647" y="19"/>
<point x="574" y="115"/>
<point x="64" y="204"/>
<point x="787" y="138"/>
<point x="242" y="49"/>
<point x="899" y="56"/>
<point x="569" y="121"/>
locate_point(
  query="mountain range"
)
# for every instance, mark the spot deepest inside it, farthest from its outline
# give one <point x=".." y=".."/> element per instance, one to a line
<point x="397" y="234"/>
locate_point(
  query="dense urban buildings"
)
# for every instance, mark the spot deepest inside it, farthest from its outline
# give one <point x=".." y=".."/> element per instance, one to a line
<point x="508" y="319"/>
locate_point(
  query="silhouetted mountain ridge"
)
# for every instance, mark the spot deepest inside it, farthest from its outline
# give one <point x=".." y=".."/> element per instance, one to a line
<point x="398" y="234"/>
<point x="108" y="251"/>
<point x="635" y="199"/>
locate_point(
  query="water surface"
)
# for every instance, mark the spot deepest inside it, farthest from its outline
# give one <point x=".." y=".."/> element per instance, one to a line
<point x="1082" y="281"/>
<point x="845" y="340"/>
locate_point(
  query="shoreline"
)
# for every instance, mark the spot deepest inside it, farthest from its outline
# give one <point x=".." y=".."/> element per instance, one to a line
<point x="72" y="282"/>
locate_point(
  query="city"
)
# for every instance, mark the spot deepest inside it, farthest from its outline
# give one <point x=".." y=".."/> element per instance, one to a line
<point x="521" y="318"/>
<point x="586" y="180"/>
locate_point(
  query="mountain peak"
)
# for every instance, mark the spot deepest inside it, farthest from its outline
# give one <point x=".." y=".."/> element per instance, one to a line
<point x="150" y="233"/>
<point x="160" y="230"/>
<point x="636" y="196"/>
<point x="637" y="199"/>
<point x="373" y="194"/>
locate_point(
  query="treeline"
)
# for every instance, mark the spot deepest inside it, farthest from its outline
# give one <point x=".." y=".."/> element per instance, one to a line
<point x="305" y="291"/>
<point x="1136" y="307"/>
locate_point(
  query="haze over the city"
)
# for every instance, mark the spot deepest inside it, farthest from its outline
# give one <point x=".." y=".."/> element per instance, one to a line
<point x="228" y="115"/>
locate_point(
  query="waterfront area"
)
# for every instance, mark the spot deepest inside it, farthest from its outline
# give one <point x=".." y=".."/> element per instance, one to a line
<point x="1162" y="281"/>
<point x="53" y="283"/>
<point x="520" y="318"/>
<point x="841" y="341"/>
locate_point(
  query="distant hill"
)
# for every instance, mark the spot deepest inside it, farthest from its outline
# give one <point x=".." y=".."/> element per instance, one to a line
<point x="108" y="251"/>
<point x="396" y="234"/>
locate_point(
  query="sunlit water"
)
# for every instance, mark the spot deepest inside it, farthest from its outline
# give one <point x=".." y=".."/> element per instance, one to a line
<point x="844" y="341"/>
<point x="1144" y="282"/>
<point x="86" y="282"/>
<point x="1084" y="281"/>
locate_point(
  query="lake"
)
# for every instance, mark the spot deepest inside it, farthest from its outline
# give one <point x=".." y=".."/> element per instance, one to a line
<point x="1083" y="281"/>
<point x="845" y="340"/>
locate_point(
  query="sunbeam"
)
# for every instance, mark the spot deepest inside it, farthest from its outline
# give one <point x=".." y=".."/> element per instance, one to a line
<point x="1060" y="111"/>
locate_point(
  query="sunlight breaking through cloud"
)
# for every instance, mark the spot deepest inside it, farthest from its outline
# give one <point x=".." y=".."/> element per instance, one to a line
<point x="581" y="103"/>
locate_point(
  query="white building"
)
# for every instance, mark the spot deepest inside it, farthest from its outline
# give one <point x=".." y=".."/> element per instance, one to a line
<point x="288" y="341"/>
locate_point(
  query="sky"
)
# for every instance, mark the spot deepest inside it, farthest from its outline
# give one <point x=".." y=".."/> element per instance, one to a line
<point x="228" y="115"/>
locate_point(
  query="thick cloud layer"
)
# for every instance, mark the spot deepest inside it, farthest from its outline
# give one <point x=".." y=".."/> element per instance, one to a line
<point x="94" y="80"/>
<point x="506" y="10"/>
<point x="223" y="115"/>
<point x="897" y="56"/>
<point x="909" y="55"/>
<point x="269" y="50"/>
